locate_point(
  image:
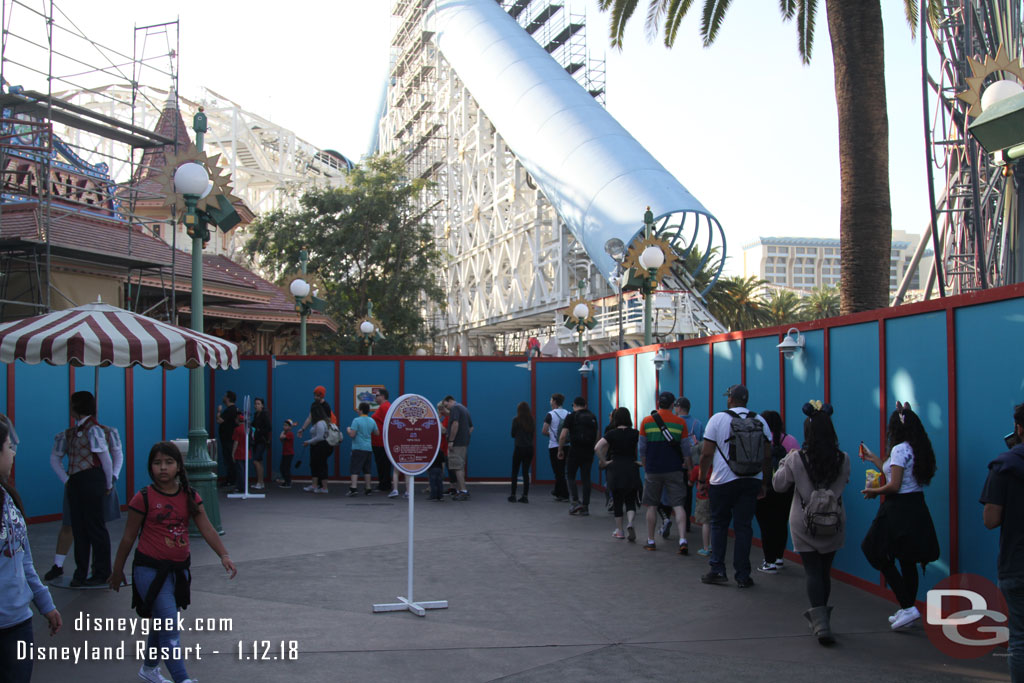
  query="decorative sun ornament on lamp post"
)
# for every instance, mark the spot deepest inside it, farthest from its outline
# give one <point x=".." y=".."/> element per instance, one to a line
<point x="368" y="329"/>
<point x="581" y="317"/>
<point x="651" y="258"/>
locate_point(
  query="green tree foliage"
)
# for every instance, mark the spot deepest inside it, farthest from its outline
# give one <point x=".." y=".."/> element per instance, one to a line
<point x="784" y="307"/>
<point x="822" y="302"/>
<point x="367" y="242"/>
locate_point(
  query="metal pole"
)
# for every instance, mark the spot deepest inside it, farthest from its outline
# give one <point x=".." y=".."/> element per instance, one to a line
<point x="621" y="331"/>
<point x="198" y="464"/>
<point x="302" y="315"/>
<point x="579" y="344"/>
<point x="410" y="489"/>
<point x="648" y="282"/>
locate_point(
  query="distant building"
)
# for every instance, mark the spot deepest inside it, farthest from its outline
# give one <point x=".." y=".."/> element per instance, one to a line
<point x="803" y="263"/>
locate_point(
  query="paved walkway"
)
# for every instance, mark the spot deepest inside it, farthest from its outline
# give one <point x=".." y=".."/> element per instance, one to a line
<point x="534" y="594"/>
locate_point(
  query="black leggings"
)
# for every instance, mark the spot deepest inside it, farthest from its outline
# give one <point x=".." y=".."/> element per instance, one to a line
<point x="904" y="584"/>
<point x="583" y="464"/>
<point x="620" y="496"/>
<point x="522" y="456"/>
<point x="818" y="569"/>
<point x="773" y="517"/>
<point x="318" y="454"/>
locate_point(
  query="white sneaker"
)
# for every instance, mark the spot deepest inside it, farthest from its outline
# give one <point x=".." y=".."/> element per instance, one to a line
<point x="906" y="618"/>
<point x="779" y="563"/>
<point x="393" y="494"/>
<point x="768" y="568"/>
<point x="152" y="674"/>
<point x="895" y="615"/>
<point x="309" y="488"/>
<point x="320" y="490"/>
<point x="258" y="487"/>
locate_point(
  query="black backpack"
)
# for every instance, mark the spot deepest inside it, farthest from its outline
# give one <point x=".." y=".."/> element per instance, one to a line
<point x="746" y="444"/>
<point x="584" y="428"/>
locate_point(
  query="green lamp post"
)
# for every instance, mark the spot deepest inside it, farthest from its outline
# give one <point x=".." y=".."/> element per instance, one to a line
<point x="306" y="300"/>
<point x="581" y="317"/>
<point x="368" y="329"/>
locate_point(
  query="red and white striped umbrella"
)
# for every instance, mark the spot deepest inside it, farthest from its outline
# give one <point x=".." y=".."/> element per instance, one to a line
<point x="98" y="334"/>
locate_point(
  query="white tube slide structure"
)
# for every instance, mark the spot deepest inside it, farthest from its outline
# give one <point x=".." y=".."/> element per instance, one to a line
<point x="597" y="176"/>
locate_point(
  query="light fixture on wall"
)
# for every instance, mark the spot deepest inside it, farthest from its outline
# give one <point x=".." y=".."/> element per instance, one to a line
<point x="661" y="359"/>
<point x="791" y="343"/>
<point x="586" y="368"/>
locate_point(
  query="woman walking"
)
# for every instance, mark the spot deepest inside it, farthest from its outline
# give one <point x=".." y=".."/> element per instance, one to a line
<point x="319" y="449"/>
<point x="522" y="453"/>
<point x="773" y="510"/>
<point x="18" y="579"/>
<point x="903" y="530"/>
<point x="616" y="453"/>
<point x="817" y="466"/>
<point x="260" y="439"/>
<point x="158" y="517"/>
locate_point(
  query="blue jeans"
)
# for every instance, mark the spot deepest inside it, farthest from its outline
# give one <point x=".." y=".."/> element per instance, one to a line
<point x="164" y="607"/>
<point x="12" y="670"/>
<point x="434" y="478"/>
<point x="1013" y="591"/>
<point x="735" y="502"/>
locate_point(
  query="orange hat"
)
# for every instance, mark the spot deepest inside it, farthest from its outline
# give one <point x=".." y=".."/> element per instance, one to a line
<point x="320" y="391"/>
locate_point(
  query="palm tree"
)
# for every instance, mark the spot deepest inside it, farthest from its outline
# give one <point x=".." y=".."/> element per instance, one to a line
<point x="784" y="307"/>
<point x="741" y="306"/>
<point x="822" y="302"/>
<point x="855" y="30"/>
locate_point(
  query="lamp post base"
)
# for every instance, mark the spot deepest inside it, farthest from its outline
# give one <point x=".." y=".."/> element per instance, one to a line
<point x="417" y="608"/>
<point x="200" y="469"/>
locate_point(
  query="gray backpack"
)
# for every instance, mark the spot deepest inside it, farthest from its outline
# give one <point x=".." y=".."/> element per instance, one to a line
<point x="822" y="515"/>
<point x="746" y="444"/>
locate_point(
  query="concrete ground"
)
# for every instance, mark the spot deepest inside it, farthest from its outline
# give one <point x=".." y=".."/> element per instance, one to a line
<point x="534" y="595"/>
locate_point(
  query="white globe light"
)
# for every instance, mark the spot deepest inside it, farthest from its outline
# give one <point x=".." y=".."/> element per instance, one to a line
<point x="580" y="310"/>
<point x="191" y="178"/>
<point x="299" y="288"/>
<point x="999" y="91"/>
<point x="366" y="327"/>
<point x="208" y="190"/>
<point x="652" y="258"/>
<point x="421" y="352"/>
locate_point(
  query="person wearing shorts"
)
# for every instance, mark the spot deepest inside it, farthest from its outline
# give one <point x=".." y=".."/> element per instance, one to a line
<point x="663" y="467"/>
<point x="460" y="426"/>
<point x="361" y="431"/>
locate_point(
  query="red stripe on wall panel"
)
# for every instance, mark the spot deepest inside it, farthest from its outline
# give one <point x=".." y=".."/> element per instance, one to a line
<point x="954" y="462"/>
<point x="129" y="431"/>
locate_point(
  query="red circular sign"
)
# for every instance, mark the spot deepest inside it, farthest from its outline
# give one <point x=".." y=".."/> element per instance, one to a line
<point x="412" y="434"/>
<point x="965" y="616"/>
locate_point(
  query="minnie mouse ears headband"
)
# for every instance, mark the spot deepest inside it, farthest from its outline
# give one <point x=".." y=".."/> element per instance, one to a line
<point x="816" y="406"/>
<point x="901" y="409"/>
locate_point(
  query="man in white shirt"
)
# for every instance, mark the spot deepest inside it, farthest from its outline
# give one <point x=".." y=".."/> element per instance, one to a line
<point x="551" y="429"/>
<point x="733" y="496"/>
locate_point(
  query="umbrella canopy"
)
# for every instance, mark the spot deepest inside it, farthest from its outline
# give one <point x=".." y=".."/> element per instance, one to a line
<point x="98" y="334"/>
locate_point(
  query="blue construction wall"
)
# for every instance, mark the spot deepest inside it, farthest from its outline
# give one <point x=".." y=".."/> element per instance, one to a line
<point x="956" y="361"/>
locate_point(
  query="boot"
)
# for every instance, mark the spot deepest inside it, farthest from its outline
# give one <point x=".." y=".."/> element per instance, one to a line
<point x="818" y="618"/>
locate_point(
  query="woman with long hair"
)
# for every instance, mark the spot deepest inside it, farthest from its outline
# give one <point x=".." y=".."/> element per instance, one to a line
<point x="18" y="578"/>
<point x="522" y="453"/>
<point x="158" y="517"/>
<point x="773" y="510"/>
<point x="817" y="465"/>
<point x="319" y="449"/>
<point x="903" y="529"/>
<point x="616" y="453"/>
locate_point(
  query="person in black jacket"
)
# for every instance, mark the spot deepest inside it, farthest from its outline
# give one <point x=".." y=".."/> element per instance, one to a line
<point x="260" y="439"/>
<point x="522" y="454"/>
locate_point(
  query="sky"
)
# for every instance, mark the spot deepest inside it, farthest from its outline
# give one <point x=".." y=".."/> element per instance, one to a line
<point x="744" y="125"/>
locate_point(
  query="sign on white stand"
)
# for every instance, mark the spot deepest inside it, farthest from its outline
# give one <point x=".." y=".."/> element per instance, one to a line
<point x="245" y="470"/>
<point x="412" y="436"/>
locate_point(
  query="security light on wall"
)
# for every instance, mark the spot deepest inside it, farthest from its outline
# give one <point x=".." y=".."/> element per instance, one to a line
<point x="661" y="359"/>
<point x="791" y="343"/>
<point x="586" y="368"/>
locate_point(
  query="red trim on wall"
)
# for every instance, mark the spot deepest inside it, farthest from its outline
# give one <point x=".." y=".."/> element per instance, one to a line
<point x="743" y="362"/>
<point x="533" y="409"/>
<point x="129" y="431"/>
<point x="828" y="363"/>
<point x="163" y="403"/>
<point x="617" y="382"/>
<point x="883" y="400"/>
<point x="636" y="383"/>
<point x="268" y="405"/>
<point x="954" y="459"/>
<point x="401" y="377"/>
<point x="337" y="407"/>
<point x="782" y="383"/>
<point x="711" y="379"/>
<point x="682" y="387"/>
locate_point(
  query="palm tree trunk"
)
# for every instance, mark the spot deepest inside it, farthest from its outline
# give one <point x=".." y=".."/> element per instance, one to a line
<point x="865" y="221"/>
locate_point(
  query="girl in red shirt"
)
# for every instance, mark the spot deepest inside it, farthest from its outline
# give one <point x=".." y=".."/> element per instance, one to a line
<point x="158" y="517"/>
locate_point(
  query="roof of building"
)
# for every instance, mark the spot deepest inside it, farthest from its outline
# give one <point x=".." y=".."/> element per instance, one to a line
<point x="806" y="242"/>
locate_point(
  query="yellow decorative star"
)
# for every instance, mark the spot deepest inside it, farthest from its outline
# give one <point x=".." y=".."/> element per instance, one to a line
<point x="221" y="180"/>
<point x="981" y="71"/>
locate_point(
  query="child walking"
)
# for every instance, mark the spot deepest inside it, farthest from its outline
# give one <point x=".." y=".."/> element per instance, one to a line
<point x="287" y="453"/>
<point x="702" y="513"/>
<point x="158" y="517"/>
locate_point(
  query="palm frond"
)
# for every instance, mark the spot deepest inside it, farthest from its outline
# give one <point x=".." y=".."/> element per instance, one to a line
<point x="788" y="9"/>
<point x="677" y="9"/>
<point x="910" y="10"/>
<point x="622" y="10"/>
<point x="806" y="12"/>
<point x="654" y="13"/>
<point x="714" y="13"/>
